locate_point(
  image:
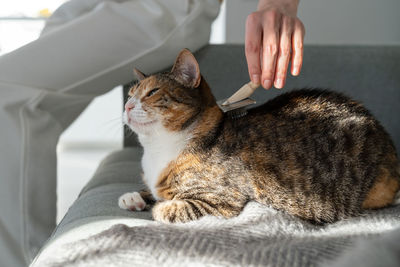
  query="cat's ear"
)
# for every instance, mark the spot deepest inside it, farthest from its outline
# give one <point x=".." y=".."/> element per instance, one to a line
<point x="139" y="75"/>
<point x="186" y="69"/>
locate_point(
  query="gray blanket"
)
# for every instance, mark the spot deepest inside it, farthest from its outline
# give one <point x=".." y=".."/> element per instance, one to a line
<point x="260" y="236"/>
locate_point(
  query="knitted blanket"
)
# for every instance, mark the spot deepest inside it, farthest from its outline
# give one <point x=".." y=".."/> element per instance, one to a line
<point x="259" y="236"/>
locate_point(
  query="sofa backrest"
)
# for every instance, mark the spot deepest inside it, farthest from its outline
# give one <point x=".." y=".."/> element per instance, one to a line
<point x="369" y="74"/>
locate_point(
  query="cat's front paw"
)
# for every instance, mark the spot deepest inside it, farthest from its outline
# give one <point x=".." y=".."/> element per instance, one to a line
<point x="131" y="201"/>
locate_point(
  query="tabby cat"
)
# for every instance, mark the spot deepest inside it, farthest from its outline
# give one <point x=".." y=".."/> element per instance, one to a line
<point x="315" y="154"/>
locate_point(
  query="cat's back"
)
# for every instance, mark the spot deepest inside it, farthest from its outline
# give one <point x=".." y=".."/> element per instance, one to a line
<point x="317" y="113"/>
<point x="312" y="146"/>
<point x="311" y="104"/>
<point x="303" y="114"/>
<point x="314" y="120"/>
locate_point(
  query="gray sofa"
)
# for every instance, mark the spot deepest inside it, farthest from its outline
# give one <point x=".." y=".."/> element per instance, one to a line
<point x="95" y="232"/>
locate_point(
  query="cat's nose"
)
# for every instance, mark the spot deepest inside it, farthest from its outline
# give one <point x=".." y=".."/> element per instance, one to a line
<point x="128" y="106"/>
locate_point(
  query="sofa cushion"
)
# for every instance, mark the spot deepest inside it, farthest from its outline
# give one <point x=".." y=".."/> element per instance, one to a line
<point x="118" y="173"/>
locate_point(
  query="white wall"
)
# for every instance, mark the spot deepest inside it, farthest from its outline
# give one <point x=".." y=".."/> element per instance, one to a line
<point x="365" y="22"/>
<point x="99" y="126"/>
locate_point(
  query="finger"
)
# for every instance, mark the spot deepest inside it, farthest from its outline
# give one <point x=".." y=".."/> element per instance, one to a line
<point x="253" y="47"/>
<point x="269" y="51"/>
<point x="297" y="47"/>
<point x="282" y="62"/>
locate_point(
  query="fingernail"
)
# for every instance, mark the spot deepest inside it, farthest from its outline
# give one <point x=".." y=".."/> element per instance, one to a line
<point x="295" y="71"/>
<point x="256" y="78"/>
<point x="267" y="84"/>
<point x="279" y="83"/>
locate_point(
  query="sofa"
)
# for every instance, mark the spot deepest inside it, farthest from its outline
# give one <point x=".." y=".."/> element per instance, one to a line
<point x="96" y="232"/>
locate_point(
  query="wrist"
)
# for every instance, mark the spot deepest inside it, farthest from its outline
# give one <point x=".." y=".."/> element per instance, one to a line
<point x="289" y="6"/>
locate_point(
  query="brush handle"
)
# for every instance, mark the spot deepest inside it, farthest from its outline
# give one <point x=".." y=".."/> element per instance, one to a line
<point x="244" y="92"/>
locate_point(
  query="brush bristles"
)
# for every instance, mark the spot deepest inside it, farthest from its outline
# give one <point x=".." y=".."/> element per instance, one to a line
<point x="238" y="105"/>
<point x="237" y="113"/>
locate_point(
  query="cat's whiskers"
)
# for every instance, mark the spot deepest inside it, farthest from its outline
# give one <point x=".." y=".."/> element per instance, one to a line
<point x="115" y="122"/>
<point x="112" y="125"/>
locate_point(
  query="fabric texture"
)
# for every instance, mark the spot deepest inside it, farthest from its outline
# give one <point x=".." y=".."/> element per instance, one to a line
<point x="46" y="84"/>
<point x="95" y="232"/>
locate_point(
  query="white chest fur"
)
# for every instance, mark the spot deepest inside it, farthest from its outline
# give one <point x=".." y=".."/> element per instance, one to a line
<point x="160" y="149"/>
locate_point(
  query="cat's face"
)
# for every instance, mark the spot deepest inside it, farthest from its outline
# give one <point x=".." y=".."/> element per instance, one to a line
<point x="170" y="101"/>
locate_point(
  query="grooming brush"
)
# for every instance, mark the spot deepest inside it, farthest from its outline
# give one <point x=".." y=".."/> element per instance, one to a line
<point x="235" y="106"/>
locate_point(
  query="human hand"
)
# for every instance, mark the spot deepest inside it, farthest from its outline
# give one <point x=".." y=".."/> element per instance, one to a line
<point x="274" y="36"/>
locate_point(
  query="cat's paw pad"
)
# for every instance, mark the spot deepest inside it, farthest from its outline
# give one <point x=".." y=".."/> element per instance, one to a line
<point x="131" y="201"/>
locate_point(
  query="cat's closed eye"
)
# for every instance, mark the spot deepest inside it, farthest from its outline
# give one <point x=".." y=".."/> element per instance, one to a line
<point x="152" y="92"/>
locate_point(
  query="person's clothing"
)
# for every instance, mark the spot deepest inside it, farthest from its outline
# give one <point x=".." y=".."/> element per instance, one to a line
<point x="87" y="48"/>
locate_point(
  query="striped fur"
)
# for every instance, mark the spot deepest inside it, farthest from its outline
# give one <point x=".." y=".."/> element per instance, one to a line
<point x="315" y="154"/>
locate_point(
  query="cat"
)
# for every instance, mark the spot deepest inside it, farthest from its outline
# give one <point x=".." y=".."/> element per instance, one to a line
<point x="312" y="153"/>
